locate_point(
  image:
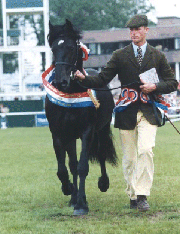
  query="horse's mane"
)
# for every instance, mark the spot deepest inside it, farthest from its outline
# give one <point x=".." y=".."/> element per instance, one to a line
<point x="60" y="31"/>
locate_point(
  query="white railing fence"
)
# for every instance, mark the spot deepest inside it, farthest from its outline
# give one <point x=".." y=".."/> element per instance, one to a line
<point x="41" y="120"/>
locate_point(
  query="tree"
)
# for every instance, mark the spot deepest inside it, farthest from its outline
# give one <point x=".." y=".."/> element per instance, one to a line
<point x="97" y="15"/>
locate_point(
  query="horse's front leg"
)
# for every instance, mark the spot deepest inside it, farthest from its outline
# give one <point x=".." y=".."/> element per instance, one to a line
<point x="62" y="172"/>
<point x="71" y="150"/>
<point x="81" y="208"/>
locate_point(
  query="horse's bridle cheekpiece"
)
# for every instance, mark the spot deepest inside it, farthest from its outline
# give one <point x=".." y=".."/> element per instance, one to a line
<point x="70" y="64"/>
<point x="79" y="45"/>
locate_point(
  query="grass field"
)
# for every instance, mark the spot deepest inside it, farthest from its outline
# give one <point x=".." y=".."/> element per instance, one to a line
<point x="31" y="201"/>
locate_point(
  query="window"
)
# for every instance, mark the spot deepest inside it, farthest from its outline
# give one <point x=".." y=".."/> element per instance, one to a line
<point x="93" y="48"/>
<point x="165" y="44"/>
<point x="108" y="48"/>
<point x="10" y="62"/>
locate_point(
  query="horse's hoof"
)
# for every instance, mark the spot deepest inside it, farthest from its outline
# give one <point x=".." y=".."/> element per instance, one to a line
<point x="80" y="212"/>
<point x="68" y="189"/>
<point x="103" y="183"/>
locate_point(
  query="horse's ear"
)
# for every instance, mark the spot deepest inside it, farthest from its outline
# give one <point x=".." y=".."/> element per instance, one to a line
<point x="69" y="24"/>
<point x="50" y="25"/>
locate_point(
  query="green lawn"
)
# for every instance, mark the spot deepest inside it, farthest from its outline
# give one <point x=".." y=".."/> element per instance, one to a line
<point x="31" y="201"/>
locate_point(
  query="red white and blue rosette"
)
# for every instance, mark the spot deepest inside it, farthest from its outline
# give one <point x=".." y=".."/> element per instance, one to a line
<point x="128" y="96"/>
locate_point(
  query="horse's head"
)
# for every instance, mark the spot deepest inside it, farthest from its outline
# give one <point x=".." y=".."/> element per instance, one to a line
<point x="63" y="40"/>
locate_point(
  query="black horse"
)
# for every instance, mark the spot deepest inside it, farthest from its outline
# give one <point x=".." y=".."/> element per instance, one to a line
<point x="66" y="124"/>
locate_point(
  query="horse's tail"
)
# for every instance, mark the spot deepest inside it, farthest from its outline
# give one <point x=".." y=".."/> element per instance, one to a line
<point x="103" y="146"/>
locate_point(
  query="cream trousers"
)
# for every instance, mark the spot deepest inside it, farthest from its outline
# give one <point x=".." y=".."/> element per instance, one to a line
<point x="137" y="162"/>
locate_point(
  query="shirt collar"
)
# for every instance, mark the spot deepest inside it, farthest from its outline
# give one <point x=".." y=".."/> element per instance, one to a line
<point x="143" y="47"/>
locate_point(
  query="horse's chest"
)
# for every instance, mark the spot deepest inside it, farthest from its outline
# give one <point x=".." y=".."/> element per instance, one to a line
<point x="71" y="124"/>
<point x="79" y="117"/>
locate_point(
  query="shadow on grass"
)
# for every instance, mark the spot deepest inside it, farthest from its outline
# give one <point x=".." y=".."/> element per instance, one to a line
<point x="153" y="216"/>
<point x="165" y="212"/>
<point x="60" y="215"/>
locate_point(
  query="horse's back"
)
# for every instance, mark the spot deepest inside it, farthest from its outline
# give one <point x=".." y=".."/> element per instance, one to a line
<point x="105" y="98"/>
<point x="104" y="112"/>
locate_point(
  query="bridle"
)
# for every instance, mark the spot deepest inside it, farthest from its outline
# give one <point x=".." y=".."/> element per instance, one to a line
<point x="73" y="65"/>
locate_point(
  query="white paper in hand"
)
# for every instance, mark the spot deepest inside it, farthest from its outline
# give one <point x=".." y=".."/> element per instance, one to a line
<point x="150" y="76"/>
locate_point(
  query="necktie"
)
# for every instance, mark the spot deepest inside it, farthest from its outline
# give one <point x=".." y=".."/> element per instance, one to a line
<point x="139" y="57"/>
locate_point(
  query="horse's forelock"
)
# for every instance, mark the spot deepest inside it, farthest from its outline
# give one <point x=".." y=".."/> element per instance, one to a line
<point x="58" y="31"/>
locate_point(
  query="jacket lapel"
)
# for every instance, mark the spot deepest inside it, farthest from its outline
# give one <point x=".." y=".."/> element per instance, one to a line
<point x="147" y="56"/>
<point x="131" y="56"/>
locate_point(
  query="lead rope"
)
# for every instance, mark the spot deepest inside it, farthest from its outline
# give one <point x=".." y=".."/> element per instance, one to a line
<point x="172" y="124"/>
<point x="108" y="89"/>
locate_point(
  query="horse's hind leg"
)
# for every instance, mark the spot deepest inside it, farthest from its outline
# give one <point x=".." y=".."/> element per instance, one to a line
<point x="62" y="173"/>
<point x="103" y="182"/>
<point x="71" y="150"/>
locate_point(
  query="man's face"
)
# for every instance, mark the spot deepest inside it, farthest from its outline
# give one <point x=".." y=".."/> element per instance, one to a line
<point x="138" y="35"/>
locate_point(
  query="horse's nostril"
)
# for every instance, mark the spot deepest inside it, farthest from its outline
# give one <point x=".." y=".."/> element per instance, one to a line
<point x="64" y="83"/>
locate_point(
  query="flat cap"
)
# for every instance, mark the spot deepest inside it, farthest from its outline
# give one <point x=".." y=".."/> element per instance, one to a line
<point x="137" y="21"/>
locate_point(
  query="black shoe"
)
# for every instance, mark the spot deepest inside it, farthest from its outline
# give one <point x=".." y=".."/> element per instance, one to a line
<point x="142" y="203"/>
<point x="133" y="204"/>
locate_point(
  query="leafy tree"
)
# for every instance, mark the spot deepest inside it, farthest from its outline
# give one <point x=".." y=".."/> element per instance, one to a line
<point x="96" y="15"/>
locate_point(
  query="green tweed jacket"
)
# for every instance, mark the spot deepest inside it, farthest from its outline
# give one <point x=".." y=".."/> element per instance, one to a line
<point x="124" y="63"/>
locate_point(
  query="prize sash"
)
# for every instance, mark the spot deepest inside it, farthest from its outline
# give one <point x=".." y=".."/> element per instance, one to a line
<point x="70" y="100"/>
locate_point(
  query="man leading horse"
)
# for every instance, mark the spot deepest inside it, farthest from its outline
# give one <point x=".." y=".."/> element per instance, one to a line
<point x="137" y="114"/>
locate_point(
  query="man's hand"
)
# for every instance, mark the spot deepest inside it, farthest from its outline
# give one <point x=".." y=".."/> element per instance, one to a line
<point x="78" y="75"/>
<point x="147" y="87"/>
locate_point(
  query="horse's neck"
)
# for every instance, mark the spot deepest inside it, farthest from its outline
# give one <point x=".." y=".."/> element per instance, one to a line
<point x="79" y="64"/>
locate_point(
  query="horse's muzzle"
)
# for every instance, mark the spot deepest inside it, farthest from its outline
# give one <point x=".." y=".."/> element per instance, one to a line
<point x="64" y="83"/>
